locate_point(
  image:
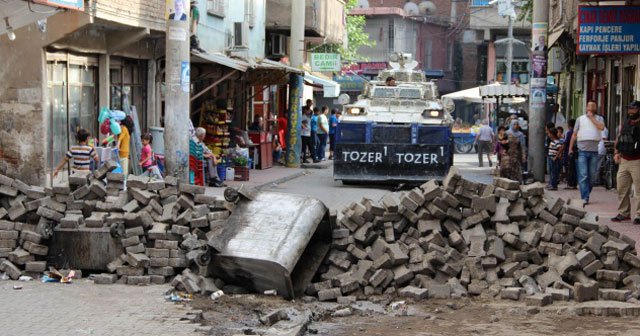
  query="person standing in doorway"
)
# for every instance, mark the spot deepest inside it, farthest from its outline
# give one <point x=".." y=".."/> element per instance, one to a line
<point x="333" y="125"/>
<point x="124" y="141"/>
<point x="484" y="139"/>
<point x="587" y="134"/>
<point x="570" y="159"/>
<point x="627" y="155"/>
<point x="314" y="134"/>
<point x="323" y="132"/>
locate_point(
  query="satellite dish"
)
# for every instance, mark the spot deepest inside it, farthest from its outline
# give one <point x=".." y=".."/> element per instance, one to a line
<point x="363" y="4"/>
<point x="411" y="8"/>
<point x="344" y="99"/>
<point x="427" y="7"/>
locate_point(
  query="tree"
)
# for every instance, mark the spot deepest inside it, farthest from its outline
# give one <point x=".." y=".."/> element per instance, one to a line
<point x="356" y="36"/>
<point x="526" y="10"/>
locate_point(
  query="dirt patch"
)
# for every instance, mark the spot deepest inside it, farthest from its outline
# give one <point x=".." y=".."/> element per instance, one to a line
<point x="232" y="315"/>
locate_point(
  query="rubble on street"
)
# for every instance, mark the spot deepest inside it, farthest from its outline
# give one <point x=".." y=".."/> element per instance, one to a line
<point x="501" y="240"/>
<point x="163" y="226"/>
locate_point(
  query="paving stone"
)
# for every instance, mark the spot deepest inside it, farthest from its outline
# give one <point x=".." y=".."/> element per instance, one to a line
<point x="586" y="291"/>
<point x="539" y="300"/>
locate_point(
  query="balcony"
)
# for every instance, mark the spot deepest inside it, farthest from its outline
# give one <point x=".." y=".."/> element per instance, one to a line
<point x="323" y="18"/>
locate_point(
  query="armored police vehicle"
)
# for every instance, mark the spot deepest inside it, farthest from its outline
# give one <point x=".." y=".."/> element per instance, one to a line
<point x="398" y="131"/>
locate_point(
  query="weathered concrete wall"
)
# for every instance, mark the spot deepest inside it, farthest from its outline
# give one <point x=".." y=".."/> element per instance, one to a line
<point x="24" y="118"/>
<point x="136" y="13"/>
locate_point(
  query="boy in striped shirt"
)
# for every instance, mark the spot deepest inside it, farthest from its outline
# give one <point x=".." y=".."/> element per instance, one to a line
<point x="80" y="154"/>
<point x="554" y="157"/>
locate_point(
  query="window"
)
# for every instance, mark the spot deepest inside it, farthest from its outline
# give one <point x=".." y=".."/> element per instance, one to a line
<point x="428" y="46"/>
<point x="216" y="7"/>
<point x="71" y="82"/>
<point x="392" y="35"/>
<point x="249" y="12"/>
<point x="128" y="79"/>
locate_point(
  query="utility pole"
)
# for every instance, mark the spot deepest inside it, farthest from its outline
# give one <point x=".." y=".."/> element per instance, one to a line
<point x="509" y="51"/>
<point x="177" y="79"/>
<point x="294" y="141"/>
<point x="538" y="87"/>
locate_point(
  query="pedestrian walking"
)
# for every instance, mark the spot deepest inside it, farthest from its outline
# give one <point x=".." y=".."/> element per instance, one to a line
<point x="587" y="134"/>
<point x="627" y="155"/>
<point x="512" y="157"/>
<point x="515" y="130"/>
<point x="323" y="132"/>
<point x="124" y="142"/>
<point x="484" y="139"/>
<point x="554" y="157"/>
<point x="305" y="134"/>
<point x="333" y="125"/>
<point x="314" y="134"/>
<point x="570" y="159"/>
<point x="80" y="154"/>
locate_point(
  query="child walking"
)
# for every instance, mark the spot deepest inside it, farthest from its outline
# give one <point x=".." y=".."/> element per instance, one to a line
<point x="554" y="158"/>
<point x="80" y="154"/>
<point x="147" y="158"/>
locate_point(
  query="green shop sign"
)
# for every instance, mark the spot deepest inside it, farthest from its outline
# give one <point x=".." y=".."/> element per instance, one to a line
<point x="325" y="62"/>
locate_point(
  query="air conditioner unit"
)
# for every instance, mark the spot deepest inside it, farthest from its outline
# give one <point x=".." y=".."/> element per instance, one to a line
<point x="278" y="45"/>
<point x="241" y="35"/>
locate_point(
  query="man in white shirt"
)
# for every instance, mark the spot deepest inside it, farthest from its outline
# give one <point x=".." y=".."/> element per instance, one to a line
<point x="484" y="140"/>
<point x="587" y="134"/>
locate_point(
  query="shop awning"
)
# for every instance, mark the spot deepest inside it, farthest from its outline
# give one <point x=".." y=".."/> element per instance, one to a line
<point x="268" y="64"/>
<point x="331" y="88"/>
<point x="233" y="63"/>
<point x="471" y="95"/>
<point x="554" y="36"/>
<point x="503" y="91"/>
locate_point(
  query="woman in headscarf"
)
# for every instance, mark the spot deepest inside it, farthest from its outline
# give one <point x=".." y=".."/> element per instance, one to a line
<point x="516" y="131"/>
<point x="511" y="160"/>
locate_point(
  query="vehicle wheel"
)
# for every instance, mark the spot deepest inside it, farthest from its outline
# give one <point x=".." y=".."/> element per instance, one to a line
<point x="464" y="148"/>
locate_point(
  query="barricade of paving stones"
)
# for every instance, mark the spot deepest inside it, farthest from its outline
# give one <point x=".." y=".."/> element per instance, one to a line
<point x="163" y="226"/>
<point x="462" y="238"/>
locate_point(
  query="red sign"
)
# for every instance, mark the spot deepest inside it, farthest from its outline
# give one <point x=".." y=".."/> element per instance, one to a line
<point x="363" y="66"/>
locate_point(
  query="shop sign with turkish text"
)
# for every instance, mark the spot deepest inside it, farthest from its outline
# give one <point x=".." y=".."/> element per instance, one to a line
<point x="608" y="30"/>
<point x="322" y="62"/>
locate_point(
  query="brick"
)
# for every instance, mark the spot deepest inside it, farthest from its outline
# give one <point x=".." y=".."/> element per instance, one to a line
<point x="585" y="291"/>
<point x="6" y="235"/>
<point x="36" y="266"/>
<point x="105" y="279"/>
<point x="6" y="225"/>
<point x="139" y="280"/>
<point x="191" y="189"/>
<point x="487" y="203"/>
<point x="609" y="275"/>
<point x="506" y="183"/>
<point x="329" y="294"/>
<point x="38" y="249"/>
<point x="539" y="300"/>
<point x="595" y="242"/>
<point x="614" y="294"/>
<point x="12" y="270"/>
<point x="161" y="271"/>
<point x="413" y="292"/>
<point x="511" y="293"/>
<point x="20" y="256"/>
<point x="439" y="291"/>
<point x="17" y="211"/>
<point x="178" y="262"/>
<point x="131" y="241"/>
<point x="135" y="248"/>
<point x="632" y="259"/>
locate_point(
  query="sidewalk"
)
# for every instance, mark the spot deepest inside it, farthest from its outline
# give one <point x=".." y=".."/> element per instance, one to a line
<point x="604" y="203"/>
<point x="260" y="178"/>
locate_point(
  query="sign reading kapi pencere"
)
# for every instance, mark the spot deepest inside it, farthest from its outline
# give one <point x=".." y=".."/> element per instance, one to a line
<point x="608" y="30"/>
<point x="325" y="62"/>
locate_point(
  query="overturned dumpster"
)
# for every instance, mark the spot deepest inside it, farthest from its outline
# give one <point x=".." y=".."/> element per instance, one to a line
<point x="275" y="241"/>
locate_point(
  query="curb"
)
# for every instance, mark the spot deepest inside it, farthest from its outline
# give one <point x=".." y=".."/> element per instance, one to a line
<point x="315" y="165"/>
<point x="282" y="179"/>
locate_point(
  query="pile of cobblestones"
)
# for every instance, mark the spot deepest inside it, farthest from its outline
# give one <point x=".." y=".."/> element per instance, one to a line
<point x="163" y="226"/>
<point x="464" y="238"/>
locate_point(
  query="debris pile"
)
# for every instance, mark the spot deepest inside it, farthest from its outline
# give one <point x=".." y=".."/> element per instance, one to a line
<point x="464" y="238"/>
<point x="163" y="226"/>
